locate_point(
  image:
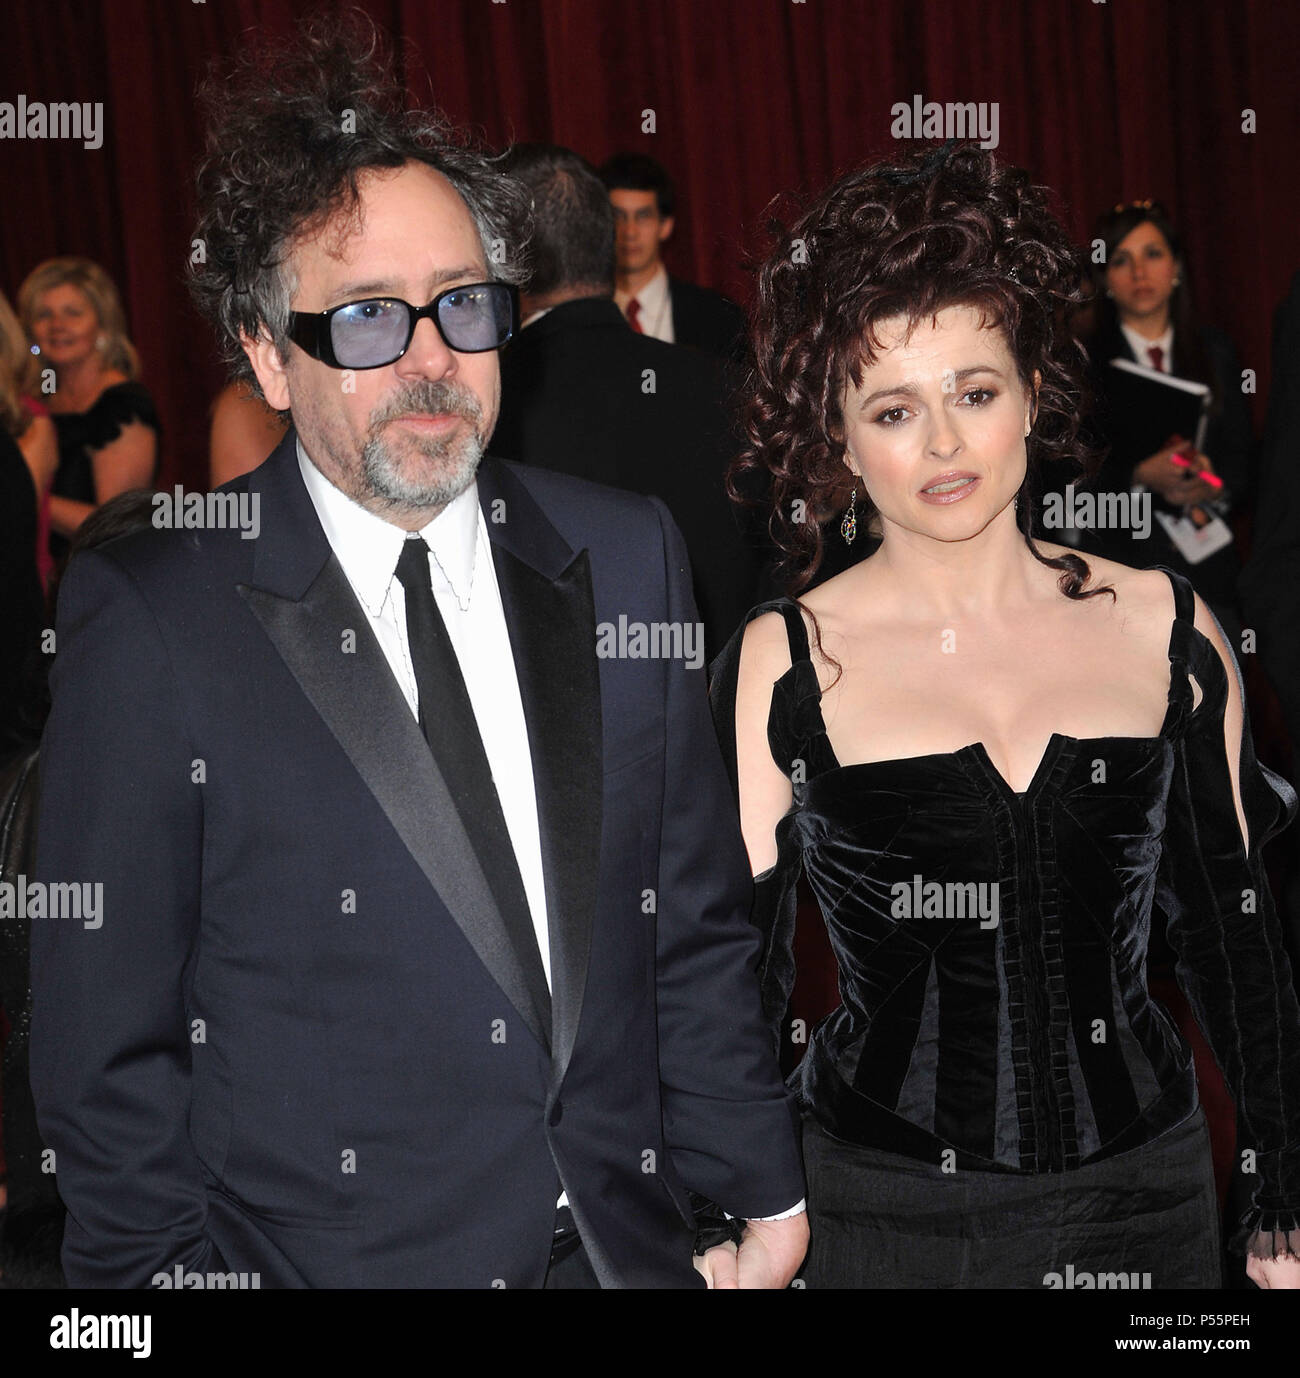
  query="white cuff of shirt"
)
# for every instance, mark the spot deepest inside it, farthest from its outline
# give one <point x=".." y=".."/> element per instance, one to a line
<point x="785" y="1215"/>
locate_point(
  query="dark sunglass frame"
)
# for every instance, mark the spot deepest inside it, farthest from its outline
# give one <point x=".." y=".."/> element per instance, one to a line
<point x="311" y="330"/>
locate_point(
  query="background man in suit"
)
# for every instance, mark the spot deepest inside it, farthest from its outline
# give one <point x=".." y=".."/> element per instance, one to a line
<point x="417" y="915"/>
<point x="1270" y="584"/>
<point x="585" y="395"/>
<point x="668" y="308"/>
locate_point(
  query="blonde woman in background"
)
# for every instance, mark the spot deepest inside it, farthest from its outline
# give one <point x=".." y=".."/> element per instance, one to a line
<point x="105" y="420"/>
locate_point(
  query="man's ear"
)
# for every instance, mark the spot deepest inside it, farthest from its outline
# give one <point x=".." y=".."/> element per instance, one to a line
<point x="269" y="367"/>
<point x="665" y="228"/>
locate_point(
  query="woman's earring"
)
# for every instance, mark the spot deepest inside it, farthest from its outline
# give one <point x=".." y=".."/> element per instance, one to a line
<point x="102" y="342"/>
<point x="849" y="526"/>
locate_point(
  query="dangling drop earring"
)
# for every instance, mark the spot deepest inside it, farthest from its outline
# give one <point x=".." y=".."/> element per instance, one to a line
<point x="849" y="526"/>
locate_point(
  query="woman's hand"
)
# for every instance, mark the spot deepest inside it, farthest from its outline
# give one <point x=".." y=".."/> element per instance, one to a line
<point x="1182" y="484"/>
<point x="1271" y="1273"/>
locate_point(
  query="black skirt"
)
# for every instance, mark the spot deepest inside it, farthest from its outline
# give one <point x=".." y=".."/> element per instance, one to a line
<point x="1146" y="1219"/>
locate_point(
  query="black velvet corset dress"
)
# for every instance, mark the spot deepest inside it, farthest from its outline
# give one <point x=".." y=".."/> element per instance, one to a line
<point x="1028" y="1043"/>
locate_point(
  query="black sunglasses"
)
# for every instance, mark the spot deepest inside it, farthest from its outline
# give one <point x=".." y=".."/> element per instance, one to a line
<point x="471" y="319"/>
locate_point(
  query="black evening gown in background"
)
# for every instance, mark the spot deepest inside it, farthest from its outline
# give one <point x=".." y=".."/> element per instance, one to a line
<point x="80" y="434"/>
<point x="994" y="1103"/>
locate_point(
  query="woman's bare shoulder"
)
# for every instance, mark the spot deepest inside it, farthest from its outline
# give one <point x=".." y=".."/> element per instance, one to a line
<point x="1139" y="593"/>
<point x="765" y="648"/>
<point x="841" y="594"/>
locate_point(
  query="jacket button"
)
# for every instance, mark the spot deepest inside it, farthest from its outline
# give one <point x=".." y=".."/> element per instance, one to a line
<point x="557" y="1113"/>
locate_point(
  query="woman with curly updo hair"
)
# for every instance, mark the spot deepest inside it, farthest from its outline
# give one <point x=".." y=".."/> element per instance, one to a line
<point x="991" y="760"/>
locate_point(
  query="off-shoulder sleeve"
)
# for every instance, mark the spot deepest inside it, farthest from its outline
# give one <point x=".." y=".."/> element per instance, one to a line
<point x="1231" y="960"/>
<point x="116" y="408"/>
<point x="776" y="889"/>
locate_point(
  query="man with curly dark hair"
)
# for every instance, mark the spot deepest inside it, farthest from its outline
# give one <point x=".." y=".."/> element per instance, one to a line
<point x="423" y="958"/>
<point x="990" y="776"/>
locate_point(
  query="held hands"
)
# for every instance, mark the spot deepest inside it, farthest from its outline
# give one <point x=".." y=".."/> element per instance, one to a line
<point x="769" y="1255"/>
<point x="1182" y="475"/>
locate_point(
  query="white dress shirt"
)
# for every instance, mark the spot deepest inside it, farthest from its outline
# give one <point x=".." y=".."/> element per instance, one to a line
<point x="465" y="586"/>
<point x="656" y="316"/>
<point x="1141" y="347"/>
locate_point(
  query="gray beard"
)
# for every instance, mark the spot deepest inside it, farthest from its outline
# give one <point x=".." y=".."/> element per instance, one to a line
<point x="454" y="459"/>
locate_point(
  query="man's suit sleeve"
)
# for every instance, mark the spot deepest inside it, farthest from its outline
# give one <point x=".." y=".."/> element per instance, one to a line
<point x="110" y="1046"/>
<point x="728" y="1120"/>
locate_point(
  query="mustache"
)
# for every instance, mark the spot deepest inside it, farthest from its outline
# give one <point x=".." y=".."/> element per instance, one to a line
<point x="425" y="398"/>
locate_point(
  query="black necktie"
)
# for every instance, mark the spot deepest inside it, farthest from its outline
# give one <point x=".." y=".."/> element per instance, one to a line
<point x="447" y="721"/>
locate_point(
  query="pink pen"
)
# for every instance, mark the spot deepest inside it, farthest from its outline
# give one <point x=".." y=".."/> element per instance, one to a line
<point x="1212" y="479"/>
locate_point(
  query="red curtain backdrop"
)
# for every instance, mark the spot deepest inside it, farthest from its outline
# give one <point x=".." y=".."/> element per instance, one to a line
<point x="1106" y="101"/>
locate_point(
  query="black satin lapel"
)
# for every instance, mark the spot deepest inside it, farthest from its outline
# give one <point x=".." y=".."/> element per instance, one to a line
<point x="553" y="635"/>
<point x="363" y="707"/>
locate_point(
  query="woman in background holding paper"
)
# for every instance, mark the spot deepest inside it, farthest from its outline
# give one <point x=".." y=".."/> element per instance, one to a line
<point x="1170" y="410"/>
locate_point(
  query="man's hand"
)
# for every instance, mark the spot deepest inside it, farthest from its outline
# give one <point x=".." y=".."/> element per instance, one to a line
<point x="718" y="1266"/>
<point x="769" y="1256"/>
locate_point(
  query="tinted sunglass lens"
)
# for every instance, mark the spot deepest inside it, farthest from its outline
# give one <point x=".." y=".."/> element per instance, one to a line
<point x="369" y="333"/>
<point x="474" y="319"/>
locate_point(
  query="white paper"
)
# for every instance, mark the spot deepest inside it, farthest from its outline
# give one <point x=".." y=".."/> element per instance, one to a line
<point x="1195" y="543"/>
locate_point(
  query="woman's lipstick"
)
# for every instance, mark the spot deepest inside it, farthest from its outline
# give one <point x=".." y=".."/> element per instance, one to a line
<point x="949" y="488"/>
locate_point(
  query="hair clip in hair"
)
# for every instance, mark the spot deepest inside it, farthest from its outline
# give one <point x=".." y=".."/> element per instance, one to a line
<point x="926" y="169"/>
<point x="1013" y="274"/>
<point x="1121" y="207"/>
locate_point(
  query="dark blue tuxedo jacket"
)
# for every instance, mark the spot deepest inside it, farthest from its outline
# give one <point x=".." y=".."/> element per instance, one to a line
<point x="301" y="1042"/>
